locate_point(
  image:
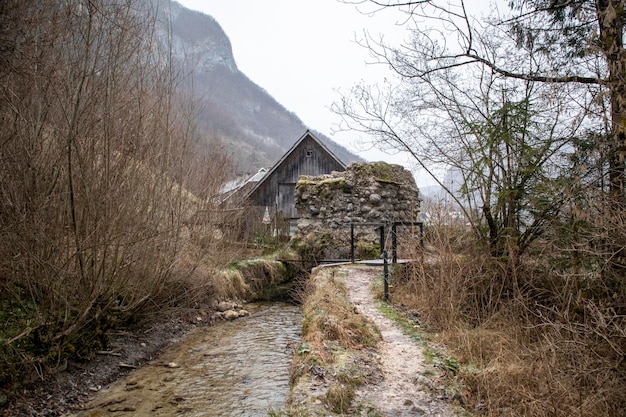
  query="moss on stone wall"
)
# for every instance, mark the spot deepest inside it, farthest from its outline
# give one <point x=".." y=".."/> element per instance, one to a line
<point x="379" y="171"/>
<point x="324" y="186"/>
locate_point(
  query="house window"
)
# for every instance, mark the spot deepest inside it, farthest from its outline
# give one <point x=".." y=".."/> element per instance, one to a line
<point x="309" y="153"/>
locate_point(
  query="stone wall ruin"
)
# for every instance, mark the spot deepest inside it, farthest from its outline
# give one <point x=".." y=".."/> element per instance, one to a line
<point x="373" y="192"/>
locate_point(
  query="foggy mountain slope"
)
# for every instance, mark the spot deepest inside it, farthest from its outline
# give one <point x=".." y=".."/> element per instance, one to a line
<point x="250" y="122"/>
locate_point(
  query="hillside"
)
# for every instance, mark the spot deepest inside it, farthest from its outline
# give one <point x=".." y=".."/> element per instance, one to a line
<point x="230" y="107"/>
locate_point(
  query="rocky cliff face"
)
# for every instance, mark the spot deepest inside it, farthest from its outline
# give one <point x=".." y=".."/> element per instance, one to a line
<point x="194" y="37"/>
<point x="201" y="39"/>
<point x="374" y="192"/>
<point x="231" y="109"/>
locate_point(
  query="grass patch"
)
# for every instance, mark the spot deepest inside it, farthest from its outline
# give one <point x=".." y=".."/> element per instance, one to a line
<point x="408" y="326"/>
<point x="339" y="398"/>
<point x="259" y="278"/>
<point x="336" y="355"/>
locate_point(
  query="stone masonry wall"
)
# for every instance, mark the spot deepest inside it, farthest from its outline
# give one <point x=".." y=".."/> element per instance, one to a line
<point x="374" y="192"/>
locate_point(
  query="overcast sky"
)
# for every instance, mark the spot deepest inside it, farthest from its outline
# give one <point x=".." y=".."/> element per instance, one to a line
<point x="303" y="51"/>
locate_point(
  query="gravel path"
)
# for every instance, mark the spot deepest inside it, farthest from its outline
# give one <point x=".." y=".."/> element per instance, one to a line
<point x="404" y="390"/>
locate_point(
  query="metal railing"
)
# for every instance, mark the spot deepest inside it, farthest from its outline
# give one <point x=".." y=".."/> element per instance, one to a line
<point x="383" y="251"/>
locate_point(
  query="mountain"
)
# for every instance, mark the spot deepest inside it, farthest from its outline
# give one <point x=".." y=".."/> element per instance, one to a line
<point x="249" y="122"/>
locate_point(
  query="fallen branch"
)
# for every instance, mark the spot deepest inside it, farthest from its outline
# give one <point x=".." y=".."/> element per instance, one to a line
<point x="19" y="336"/>
<point x="125" y="365"/>
<point x="108" y="352"/>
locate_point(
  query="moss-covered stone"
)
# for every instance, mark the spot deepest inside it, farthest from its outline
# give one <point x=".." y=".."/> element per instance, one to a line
<point x="375" y="192"/>
<point x="379" y="171"/>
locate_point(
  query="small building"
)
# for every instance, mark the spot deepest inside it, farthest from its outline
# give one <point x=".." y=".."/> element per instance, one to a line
<point x="308" y="156"/>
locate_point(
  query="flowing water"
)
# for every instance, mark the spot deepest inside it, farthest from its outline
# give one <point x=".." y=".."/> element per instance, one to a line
<point x="238" y="368"/>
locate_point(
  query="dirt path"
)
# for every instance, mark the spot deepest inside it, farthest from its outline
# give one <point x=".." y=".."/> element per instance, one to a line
<point x="404" y="390"/>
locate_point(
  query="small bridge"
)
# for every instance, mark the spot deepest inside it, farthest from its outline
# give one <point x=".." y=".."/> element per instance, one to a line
<point x="384" y="258"/>
<point x="394" y="247"/>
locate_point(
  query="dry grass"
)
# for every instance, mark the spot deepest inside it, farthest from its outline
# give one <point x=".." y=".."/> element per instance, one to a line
<point x="339" y="398"/>
<point x="537" y="343"/>
<point x="329" y="316"/>
<point x="333" y="357"/>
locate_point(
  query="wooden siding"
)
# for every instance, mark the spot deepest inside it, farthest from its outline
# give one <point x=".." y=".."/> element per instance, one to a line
<point x="308" y="157"/>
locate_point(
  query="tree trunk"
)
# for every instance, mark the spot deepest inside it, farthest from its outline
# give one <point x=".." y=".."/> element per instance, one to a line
<point x="611" y="24"/>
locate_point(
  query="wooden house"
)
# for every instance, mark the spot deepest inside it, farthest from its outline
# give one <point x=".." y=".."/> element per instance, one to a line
<point x="308" y="156"/>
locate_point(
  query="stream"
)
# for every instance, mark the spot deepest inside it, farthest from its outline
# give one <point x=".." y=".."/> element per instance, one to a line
<point x="237" y="368"/>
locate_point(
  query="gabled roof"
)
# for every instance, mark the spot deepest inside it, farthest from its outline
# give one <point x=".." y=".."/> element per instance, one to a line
<point x="290" y="151"/>
<point x="236" y="184"/>
<point x="240" y="187"/>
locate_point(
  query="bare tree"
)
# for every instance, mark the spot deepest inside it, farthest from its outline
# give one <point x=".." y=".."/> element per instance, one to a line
<point x="572" y="42"/>
<point x="506" y="140"/>
<point x="448" y="73"/>
<point x="528" y="108"/>
<point x="94" y="157"/>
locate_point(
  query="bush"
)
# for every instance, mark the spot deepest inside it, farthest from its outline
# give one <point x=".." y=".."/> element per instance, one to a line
<point x="532" y="340"/>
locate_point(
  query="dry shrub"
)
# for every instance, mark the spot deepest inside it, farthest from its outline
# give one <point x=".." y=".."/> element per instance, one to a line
<point x="196" y="282"/>
<point x="509" y="374"/>
<point x="539" y="339"/>
<point x="448" y="286"/>
<point x="96" y="155"/>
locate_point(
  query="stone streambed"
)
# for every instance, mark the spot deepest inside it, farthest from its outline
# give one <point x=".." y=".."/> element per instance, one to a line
<point x="234" y="368"/>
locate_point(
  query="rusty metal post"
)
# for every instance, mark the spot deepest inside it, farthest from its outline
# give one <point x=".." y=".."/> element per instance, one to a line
<point x="386" y="275"/>
<point x="394" y="243"/>
<point x="383" y="254"/>
<point x="352" y="242"/>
